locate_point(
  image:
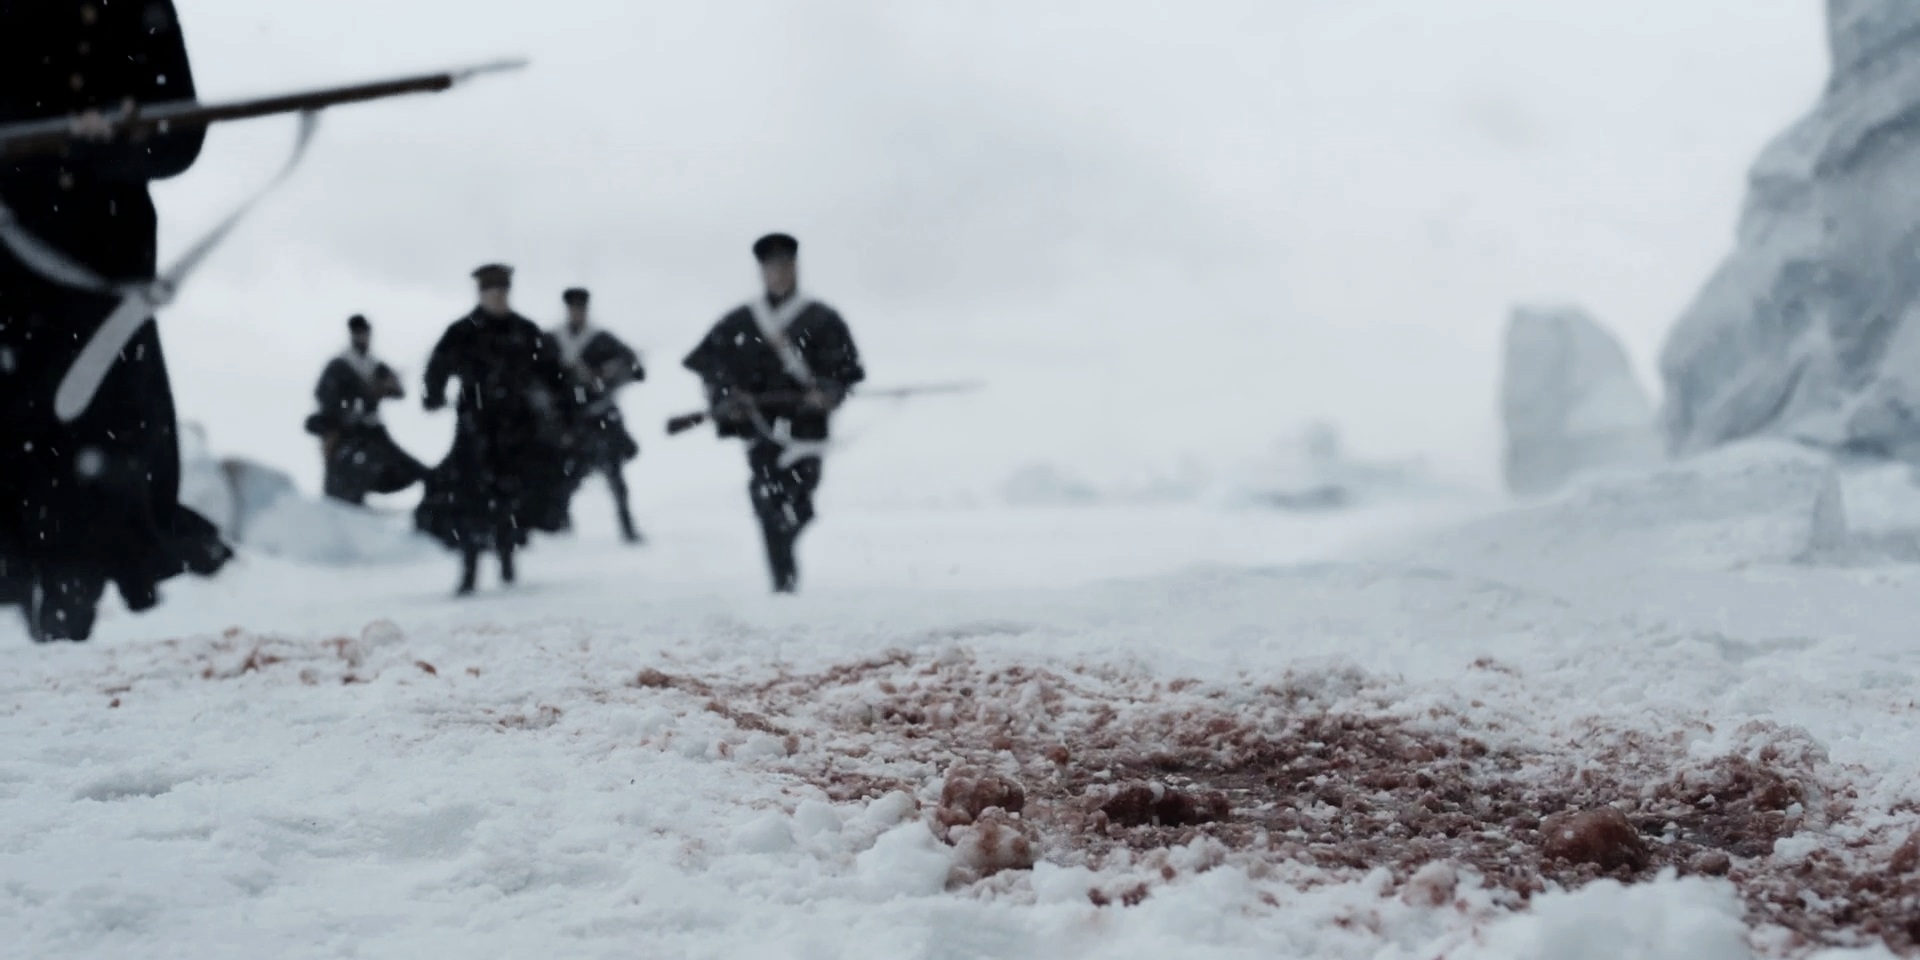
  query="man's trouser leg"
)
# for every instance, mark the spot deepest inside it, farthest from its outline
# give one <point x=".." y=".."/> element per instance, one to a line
<point x="469" y="569"/>
<point x="617" y="482"/>
<point x="783" y="501"/>
<point x="346" y="470"/>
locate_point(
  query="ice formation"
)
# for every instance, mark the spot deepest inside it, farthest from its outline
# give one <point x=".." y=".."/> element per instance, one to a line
<point x="1806" y="330"/>
<point x="1569" y="401"/>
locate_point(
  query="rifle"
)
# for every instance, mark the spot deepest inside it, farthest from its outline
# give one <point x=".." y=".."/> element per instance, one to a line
<point x="138" y="122"/>
<point x="687" y="421"/>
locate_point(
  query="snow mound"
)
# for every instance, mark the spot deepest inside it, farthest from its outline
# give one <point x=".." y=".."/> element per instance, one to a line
<point x="1671" y="919"/>
<point x="1883" y="513"/>
<point x="1807" y="329"/>
<point x="204" y="487"/>
<point x="1047" y="485"/>
<point x="255" y="489"/>
<point x="328" y="532"/>
<point x="259" y="508"/>
<point x="1569" y="401"/>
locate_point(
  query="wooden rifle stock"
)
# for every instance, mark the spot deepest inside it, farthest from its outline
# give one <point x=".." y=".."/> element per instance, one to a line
<point x="684" y="422"/>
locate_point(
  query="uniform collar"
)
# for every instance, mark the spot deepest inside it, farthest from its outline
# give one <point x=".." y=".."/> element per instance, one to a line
<point x="364" y="364"/>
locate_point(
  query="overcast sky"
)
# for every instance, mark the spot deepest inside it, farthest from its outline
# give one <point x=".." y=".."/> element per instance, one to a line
<point x="1157" y="230"/>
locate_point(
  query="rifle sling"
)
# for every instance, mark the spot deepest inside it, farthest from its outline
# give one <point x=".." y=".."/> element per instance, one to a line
<point x="138" y="299"/>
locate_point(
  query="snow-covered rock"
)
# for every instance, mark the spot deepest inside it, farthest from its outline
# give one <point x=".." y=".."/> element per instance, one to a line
<point x="1570" y="401"/>
<point x="1807" y="330"/>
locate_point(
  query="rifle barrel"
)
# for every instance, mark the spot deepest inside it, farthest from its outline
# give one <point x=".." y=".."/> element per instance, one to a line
<point x="687" y="421"/>
<point x="54" y="134"/>
<point x="894" y="393"/>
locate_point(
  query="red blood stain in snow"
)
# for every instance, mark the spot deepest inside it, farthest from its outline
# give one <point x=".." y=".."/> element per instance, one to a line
<point x="1102" y="760"/>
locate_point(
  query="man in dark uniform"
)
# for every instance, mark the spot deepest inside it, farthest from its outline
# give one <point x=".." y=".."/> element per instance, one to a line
<point x="597" y="363"/>
<point x="96" y="499"/>
<point x="360" y="455"/>
<point x="506" y="474"/>
<point x="775" y="369"/>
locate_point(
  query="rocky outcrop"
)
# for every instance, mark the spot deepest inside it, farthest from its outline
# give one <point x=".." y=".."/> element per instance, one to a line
<point x="1569" y="401"/>
<point x="1811" y="328"/>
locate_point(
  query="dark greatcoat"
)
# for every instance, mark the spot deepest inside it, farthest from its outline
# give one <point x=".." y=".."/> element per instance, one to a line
<point x="597" y="436"/>
<point x="507" y="473"/>
<point x="96" y="499"/>
<point x="361" y="456"/>
<point x="736" y="359"/>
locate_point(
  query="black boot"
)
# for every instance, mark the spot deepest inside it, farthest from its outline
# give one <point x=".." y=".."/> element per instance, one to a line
<point x="618" y="484"/>
<point x="63" y="608"/>
<point x="506" y="564"/>
<point x="780" y="562"/>
<point x="469" y="572"/>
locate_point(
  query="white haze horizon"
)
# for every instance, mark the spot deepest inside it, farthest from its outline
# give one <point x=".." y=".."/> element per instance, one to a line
<point x="1157" y="233"/>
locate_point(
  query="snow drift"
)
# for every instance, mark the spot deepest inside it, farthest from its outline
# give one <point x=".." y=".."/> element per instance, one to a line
<point x="1808" y="329"/>
<point x="1569" y="401"/>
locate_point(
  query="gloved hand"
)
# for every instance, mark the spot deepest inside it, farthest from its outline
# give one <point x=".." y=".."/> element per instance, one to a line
<point x="733" y="409"/>
<point x="825" y="396"/>
<point x="389" y="388"/>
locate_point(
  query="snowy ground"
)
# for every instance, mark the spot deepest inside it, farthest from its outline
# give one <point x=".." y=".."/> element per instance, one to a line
<point x="636" y="754"/>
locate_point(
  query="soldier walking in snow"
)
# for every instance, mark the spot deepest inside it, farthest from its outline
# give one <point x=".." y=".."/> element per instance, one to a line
<point x="506" y="474"/>
<point x="597" y="364"/>
<point x="360" y="456"/>
<point x="775" y="369"/>
<point x="94" y="498"/>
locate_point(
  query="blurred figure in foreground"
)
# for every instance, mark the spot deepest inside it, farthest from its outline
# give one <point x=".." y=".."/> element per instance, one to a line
<point x="597" y="364"/>
<point x="361" y="457"/>
<point x="775" y="370"/>
<point x="96" y="499"/>
<point x="506" y="474"/>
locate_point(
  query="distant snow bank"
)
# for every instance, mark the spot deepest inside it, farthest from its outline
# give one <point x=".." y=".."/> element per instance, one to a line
<point x="1308" y="472"/>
